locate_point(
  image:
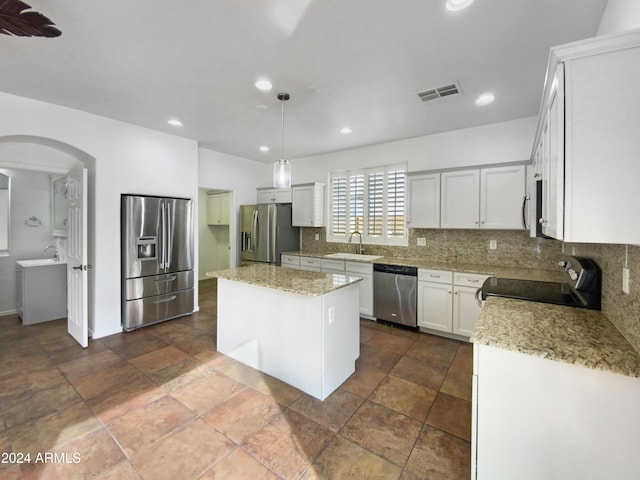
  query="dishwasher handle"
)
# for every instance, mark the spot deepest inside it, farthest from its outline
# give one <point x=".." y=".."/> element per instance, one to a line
<point x="395" y="269"/>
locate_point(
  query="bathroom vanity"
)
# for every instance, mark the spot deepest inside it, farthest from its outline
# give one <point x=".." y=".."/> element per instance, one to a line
<point x="41" y="290"/>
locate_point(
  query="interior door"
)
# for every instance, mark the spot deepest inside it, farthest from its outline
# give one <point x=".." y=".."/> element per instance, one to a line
<point x="77" y="307"/>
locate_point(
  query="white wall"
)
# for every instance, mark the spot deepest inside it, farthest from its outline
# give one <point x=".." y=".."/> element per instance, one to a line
<point x="128" y="159"/>
<point x="620" y="15"/>
<point x="220" y="171"/>
<point x="488" y="144"/>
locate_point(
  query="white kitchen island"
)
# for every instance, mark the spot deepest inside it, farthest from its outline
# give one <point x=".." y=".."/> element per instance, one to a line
<point x="298" y="326"/>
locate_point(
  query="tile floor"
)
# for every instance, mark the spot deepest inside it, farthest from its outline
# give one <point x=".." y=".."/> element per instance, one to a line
<point x="161" y="402"/>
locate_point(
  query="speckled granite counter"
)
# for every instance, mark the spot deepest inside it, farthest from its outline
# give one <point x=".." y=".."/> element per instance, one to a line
<point x="494" y="270"/>
<point x="288" y="280"/>
<point x="566" y="334"/>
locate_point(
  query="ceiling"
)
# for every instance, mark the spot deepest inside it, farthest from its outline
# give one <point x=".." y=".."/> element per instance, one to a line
<point x="359" y="63"/>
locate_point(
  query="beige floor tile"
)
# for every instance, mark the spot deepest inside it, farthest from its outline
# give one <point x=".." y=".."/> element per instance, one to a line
<point x="438" y="454"/>
<point x="243" y="414"/>
<point x="180" y="374"/>
<point x="239" y="466"/>
<point x="103" y="381"/>
<point x="405" y="397"/>
<point x="158" y="359"/>
<point x="392" y="343"/>
<point x="186" y="453"/>
<point x="383" y="431"/>
<point x="331" y="413"/>
<point x="125" y="398"/>
<point x="344" y="460"/>
<point x="458" y="384"/>
<point x="144" y="426"/>
<point x="421" y="373"/>
<point x="289" y="444"/>
<point x="377" y="358"/>
<point x="82" y="367"/>
<point x="451" y="414"/>
<point x="208" y="392"/>
<point x="363" y="381"/>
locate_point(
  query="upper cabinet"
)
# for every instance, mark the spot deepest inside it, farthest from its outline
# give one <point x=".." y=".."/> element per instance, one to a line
<point x="586" y="150"/>
<point x="490" y="198"/>
<point x="423" y="207"/>
<point x="273" y="195"/>
<point x="308" y="205"/>
<point x="218" y="208"/>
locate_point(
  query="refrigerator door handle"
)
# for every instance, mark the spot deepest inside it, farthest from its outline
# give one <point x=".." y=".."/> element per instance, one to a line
<point x="271" y="246"/>
<point x="254" y="227"/>
<point x="162" y="236"/>
<point x="169" y="249"/>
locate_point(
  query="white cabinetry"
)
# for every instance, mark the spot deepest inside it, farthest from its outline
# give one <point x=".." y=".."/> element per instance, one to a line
<point x="310" y="264"/>
<point x="535" y="418"/>
<point x="483" y="198"/>
<point x="365" y="287"/>
<point x="41" y="291"/>
<point x="273" y="195"/>
<point x="308" y="205"/>
<point x="592" y="139"/>
<point x="423" y="191"/>
<point x="446" y="301"/>
<point x="290" y="261"/>
<point x="218" y="209"/>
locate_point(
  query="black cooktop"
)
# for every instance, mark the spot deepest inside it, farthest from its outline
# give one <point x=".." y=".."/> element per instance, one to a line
<point x="546" y="292"/>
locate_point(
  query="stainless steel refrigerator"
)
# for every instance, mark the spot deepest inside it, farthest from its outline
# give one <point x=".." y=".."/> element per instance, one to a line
<point x="157" y="259"/>
<point x="266" y="232"/>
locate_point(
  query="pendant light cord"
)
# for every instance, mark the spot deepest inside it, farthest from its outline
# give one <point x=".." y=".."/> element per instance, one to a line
<point x="283" y="97"/>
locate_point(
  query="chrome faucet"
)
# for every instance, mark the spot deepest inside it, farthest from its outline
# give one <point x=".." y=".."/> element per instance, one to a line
<point x="356" y="232"/>
<point x="56" y="257"/>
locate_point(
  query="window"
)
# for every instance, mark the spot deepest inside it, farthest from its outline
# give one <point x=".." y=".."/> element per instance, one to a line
<point x="370" y="201"/>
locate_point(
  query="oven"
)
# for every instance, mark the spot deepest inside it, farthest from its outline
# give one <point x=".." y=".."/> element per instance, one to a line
<point x="582" y="287"/>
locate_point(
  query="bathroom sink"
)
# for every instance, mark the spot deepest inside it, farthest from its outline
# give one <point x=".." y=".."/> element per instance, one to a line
<point x="353" y="256"/>
<point x="40" y="262"/>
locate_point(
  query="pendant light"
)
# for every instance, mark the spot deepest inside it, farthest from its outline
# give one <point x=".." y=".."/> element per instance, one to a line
<point x="282" y="168"/>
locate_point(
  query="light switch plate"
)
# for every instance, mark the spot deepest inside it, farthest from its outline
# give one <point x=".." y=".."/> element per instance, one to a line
<point x="625" y="280"/>
<point x="421" y="242"/>
<point x="317" y="237"/>
<point x="493" y="244"/>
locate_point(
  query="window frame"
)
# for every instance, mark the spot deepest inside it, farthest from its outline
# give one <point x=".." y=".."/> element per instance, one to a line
<point x="363" y="225"/>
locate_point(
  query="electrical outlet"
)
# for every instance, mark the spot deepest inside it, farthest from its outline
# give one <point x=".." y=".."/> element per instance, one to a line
<point x="625" y="280"/>
<point x="421" y="242"/>
<point x="332" y="314"/>
<point x="493" y="244"/>
<point x="317" y="237"/>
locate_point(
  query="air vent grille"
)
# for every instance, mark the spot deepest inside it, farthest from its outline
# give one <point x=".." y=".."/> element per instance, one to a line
<point x="439" y="92"/>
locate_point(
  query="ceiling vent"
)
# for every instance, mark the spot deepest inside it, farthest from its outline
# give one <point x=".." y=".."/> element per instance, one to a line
<point x="440" y="92"/>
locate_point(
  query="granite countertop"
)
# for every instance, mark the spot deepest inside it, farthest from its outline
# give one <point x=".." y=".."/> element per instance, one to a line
<point x="567" y="334"/>
<point x="288" y="280"/>
<point x="493" y="270"/>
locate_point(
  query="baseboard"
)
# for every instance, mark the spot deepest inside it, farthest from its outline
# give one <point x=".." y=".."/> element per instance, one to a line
<point x="8" y="312"/>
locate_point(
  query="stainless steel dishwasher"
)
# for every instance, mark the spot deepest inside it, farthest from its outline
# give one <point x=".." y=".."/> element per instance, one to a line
<point x="395" y="294"/>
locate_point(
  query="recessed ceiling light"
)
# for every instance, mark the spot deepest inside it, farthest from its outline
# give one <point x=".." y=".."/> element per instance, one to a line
<point x="263" y="85"/>
<point x="174" y="122"/>
<point x="264" y="149"/>
<point x="485" y="99"/>
<point x="346" y="130"/>
<point x="455" y="5"/>
<point x="262" y="107"/>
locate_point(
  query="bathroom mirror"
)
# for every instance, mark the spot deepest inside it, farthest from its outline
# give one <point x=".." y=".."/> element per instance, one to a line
<point x="59" y="205"/>
<point x="5" y="184"/>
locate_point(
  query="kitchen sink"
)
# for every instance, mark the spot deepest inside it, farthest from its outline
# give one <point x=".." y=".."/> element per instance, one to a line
<point x="352" y="256"/>
<point x="40" y="262"/>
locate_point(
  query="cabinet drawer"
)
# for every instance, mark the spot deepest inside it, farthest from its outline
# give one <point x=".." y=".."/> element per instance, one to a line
<point x="310" y="262"/>
<point x="332" y="264"/>
<point x="469" y="279"/>
<point x="359" y="267"/>
<point x="293" y="260"/>
<point x="436" y="276"/>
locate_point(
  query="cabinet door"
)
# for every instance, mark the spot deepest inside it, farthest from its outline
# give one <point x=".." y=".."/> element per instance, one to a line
<point x="424" y="201"/>
<point x="307" y="206"/>
<point x="465" y="310"/>
<point x="224" y="208"/>
<point x="365" y="287"/>
<point x="460" y="198"/>
<point x="435" y="308"/>
<point x="265" y="196"/>
<point x="553" y="175"/>
<point x="502" y="191"/>
<point x="282" y="195"/>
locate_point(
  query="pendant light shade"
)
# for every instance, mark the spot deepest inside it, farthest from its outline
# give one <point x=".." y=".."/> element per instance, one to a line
<point x="282" y="168"/>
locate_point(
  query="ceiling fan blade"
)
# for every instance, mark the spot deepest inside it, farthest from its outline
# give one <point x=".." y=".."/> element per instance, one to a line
<point x="15" y="21"/>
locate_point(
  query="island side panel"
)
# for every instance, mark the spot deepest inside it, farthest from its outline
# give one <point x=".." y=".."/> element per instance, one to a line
<point x="539" y="418"/>
<point x="276" y="332"/>
<point x="341" y="320"/>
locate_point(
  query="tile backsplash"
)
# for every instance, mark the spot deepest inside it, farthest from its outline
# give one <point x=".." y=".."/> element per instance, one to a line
<point x="514" y="248"/>
<point x="623" y="310"/>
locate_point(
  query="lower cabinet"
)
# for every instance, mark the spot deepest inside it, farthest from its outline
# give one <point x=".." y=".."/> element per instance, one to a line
<point x="365" y="287"/>
<point x="446" y="301"/>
